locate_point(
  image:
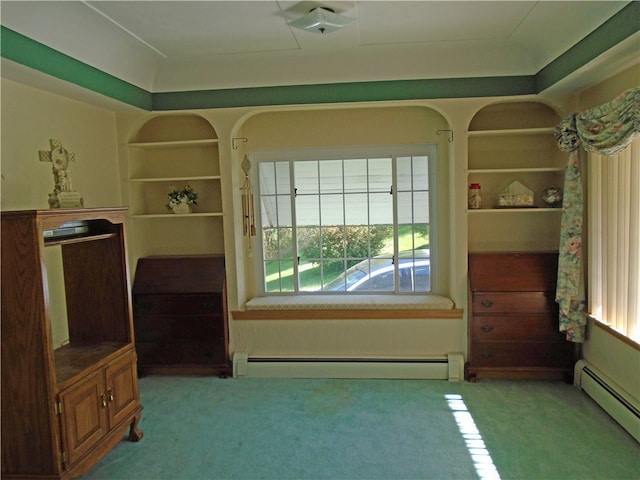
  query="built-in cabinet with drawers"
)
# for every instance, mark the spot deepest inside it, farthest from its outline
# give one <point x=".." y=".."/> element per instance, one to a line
<point x="513" y="321"/>
<point x="180" y="314"/>
<point x="513" y="317"/>
<point x="65" y="406"/>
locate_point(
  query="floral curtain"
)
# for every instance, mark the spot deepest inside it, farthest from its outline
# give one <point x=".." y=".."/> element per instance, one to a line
<point x="606" y="130"/>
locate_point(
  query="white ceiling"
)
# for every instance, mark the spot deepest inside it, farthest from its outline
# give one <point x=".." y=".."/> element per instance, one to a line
<point x="165" y="46"/>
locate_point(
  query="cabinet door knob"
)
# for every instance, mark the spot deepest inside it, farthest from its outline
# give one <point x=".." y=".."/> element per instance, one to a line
<point x="486" y="303"/>
<point x="110" y="393"/>
<point x="487" y="328"/>
<point x="103" y="400"/>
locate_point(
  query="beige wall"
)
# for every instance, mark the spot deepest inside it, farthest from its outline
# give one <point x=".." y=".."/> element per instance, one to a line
<point x="30" y="118"/>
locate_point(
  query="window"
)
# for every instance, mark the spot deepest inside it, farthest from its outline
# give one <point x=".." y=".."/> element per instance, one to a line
<point x="614" y="235"/>
<point x="355" y="220"/>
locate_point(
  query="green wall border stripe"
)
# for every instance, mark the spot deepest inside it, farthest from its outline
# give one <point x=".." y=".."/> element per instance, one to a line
<point x="33" y="54"/>
<point x="346" y="92"/>
<point x="21" y="49"/>
<point x="619" y="27"/>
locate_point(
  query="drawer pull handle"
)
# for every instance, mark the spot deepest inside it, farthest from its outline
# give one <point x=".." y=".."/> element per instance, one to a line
<point x="486" y="355"/>
<point x="487" y="328"/>
<point x="486" y="303"/>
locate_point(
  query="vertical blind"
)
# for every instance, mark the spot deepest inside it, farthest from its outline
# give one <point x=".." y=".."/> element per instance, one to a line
<point x="614" y="239"/>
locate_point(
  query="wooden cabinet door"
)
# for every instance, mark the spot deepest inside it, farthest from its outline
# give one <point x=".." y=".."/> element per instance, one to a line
<point x="121" y="388"/>
<point x="84" y="416"/>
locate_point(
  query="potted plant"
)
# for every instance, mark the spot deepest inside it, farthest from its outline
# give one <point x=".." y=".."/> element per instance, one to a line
<point x="180" y="201"/>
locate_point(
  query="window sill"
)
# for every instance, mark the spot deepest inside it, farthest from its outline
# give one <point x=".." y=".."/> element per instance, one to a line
<point x="348" y="307"/>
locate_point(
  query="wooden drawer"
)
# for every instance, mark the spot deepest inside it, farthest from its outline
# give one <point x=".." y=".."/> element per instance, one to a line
<point x="494" y="328"/>
<point x="513" y="272"/>
<point x="180" y="353"/>
<point x="173" y="327"/>
<point x="531" y="354"/>
<point x="526" y="302"/>
<point x="181" y="304"/>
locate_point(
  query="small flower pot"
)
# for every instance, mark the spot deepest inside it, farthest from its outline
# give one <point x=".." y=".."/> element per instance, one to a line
<point x="182" y="208"/>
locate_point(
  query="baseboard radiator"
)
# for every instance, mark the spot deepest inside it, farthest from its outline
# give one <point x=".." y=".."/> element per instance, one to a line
<point x="449" y="367"/>
<point x="611" y="397"/>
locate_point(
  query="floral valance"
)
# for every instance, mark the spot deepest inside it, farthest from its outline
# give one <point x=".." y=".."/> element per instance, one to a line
<point x="606" y="130"/>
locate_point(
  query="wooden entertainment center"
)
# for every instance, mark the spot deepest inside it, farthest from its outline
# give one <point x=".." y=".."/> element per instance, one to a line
<point x="64" y="407"/>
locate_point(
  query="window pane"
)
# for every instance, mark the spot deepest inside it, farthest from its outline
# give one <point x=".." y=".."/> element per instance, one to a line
<point x="308" y="210"/>
<point x="333" y="242"/>
<point x="270" y="247"/>
<point x="309" y="242"/>
<point x="283" y="178"/>
<point x="285" y="243"/>
<point x="357" y="241"/>
<point x="309" y="276"/>
<point x="269" y="211"/>
<point x="403" y="172"/>
<point x="405" y="207"/>
<point x="355" y="175"/>
<point x="380" y="208"/>
<point x="284" y="210"/>
<point x="331" y="211"/>
<point x="420" y="173"/>
<point x="306" y="177"/>
<point x="380" y="175"/>
<point x="421" y="207"/>
<point x="266" y="172"/>
<point x="331" y="176"/>
<point x="356" y="209"/>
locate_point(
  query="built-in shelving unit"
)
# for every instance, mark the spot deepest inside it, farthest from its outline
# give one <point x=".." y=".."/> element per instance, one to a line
<point x="509" y="142"/>
<point x="170" y="151"/>
<point x="513" y="318"/>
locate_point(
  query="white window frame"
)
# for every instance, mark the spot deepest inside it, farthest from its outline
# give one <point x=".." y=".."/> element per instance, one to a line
<point x="350" y="152"/>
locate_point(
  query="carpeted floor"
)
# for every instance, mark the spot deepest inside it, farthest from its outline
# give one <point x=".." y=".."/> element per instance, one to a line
<point x="285" y="429"/>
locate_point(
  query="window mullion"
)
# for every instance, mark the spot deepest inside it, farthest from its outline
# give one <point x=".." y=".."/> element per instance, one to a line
<point x="396" y="248"/>
<point x="293" y="192"/>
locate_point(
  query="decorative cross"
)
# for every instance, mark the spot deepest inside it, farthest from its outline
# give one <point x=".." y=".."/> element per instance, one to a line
<point x="63" y="195"/>
<point x="59" y="158"/>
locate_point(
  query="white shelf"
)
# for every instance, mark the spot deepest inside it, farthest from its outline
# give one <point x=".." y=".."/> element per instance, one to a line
<point x="174" y="144"/>
<point x="175" y="215"/>
<point x="176" y="179"/>
<point x="512" y="131"/>
<point x="515" y="170"/>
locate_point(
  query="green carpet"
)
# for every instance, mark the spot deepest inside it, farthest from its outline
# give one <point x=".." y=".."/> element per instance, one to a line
<point x="210" y="428"/>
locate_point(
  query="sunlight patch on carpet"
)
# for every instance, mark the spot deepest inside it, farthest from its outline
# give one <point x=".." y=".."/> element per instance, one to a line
<point x="482" y="461"/>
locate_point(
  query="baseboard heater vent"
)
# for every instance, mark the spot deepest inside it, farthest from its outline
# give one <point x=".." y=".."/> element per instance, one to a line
<point x="623" y="408"/>
<point x="449" y="367"/>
